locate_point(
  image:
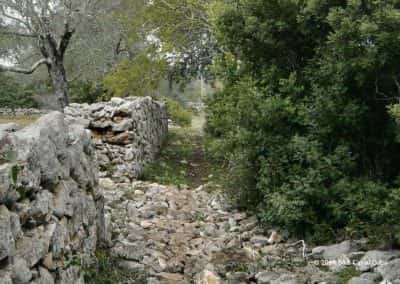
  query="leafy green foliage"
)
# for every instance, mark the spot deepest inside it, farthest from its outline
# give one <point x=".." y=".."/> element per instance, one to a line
<point x="14" y="173"/>
<point x="346" y="274"/>
<point x="13" y="95"/>
<point x="182" y="31"/>
<point x="72" y="260"/>
<point x="86" y="92"/>
<point x="302" y="122"/>
<point x="177" y="113"/>
<point x="137" y="77"/>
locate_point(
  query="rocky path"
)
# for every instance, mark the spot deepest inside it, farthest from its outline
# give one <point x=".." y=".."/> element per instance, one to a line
<point x="189" y="235"/>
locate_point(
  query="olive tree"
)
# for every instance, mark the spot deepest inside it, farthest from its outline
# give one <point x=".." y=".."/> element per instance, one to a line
<point x="45" y="28"/>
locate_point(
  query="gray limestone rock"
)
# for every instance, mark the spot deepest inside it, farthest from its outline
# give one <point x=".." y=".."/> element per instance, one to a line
<point x="7" y="242"/>
<point x="21" y="272"/>
<point x="374" y="258"/>
<point x="265" y="277"/>
<point x="390" y="271"/>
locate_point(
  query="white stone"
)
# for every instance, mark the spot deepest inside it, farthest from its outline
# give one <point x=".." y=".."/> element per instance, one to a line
<point x="6" y="237"/>
<point x="390" y="271"/>
<point x="208" y="277"/>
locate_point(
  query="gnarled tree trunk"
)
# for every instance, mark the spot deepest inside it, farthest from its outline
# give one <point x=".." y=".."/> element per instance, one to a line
<point x="59" y="81"/>
<point x="54" y="52"/>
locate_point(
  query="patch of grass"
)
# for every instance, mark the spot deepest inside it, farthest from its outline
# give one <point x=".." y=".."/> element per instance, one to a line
<point x="72" y="260"/>
<point x="346" y="274"/>
<point x="105" y="270"/>
<point x="200" y="217"/>
<point x="183" y="158"/>
<point x="171" y="165"/>
<point x="20" y="120"/>
<point x="247" y="267"/>
<point x="218" y="164"/>
<point x="178" y="113"/>
<point x="238" y="267"/>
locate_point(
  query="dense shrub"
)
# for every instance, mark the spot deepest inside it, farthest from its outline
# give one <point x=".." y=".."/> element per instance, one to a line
<point x="13" y="95"/>
<point x="86" y="92"/>
<point x="139" y="76"/>
<point x="303" y="122"/>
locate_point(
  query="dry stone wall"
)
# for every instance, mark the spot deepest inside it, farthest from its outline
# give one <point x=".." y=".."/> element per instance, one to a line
<point x="127" y="133"/>
<point x="22" y="111"/>
<point x="51" y="209"/>
<point x="52" y="215"/>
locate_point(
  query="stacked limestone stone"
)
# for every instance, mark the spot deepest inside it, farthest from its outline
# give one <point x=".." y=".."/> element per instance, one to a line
<point x="22" y="111"/>
<point x="128" y="133"/>
<point x="51" y="210"/>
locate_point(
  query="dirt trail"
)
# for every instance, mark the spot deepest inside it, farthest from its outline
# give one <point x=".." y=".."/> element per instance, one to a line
<point x="198" y="166"/>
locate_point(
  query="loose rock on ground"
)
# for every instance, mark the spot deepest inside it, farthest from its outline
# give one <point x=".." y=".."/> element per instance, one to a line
<point x="191" y="236"/>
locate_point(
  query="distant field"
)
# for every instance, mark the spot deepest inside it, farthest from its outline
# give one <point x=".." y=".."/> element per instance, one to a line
<point x="20" y="120"/>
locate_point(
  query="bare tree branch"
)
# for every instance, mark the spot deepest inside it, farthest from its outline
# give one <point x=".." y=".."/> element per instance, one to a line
<point x="12" y="18"/>
<point x="24" y="71"/>
<point x="65" y="39"/>
<point x="52" y="43"/>
<point x="5" y="32"/>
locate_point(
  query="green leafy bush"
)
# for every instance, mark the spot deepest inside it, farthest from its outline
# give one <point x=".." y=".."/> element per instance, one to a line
<point x="302" y="122"/>
<point x="346" y="274"/>
<point x="137" y="77"/>
<point x="13" y="95"/>
<point x="86" y="92"/>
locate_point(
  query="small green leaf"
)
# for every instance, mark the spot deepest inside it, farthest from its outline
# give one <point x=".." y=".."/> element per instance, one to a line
<point x="14" y="173"/>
